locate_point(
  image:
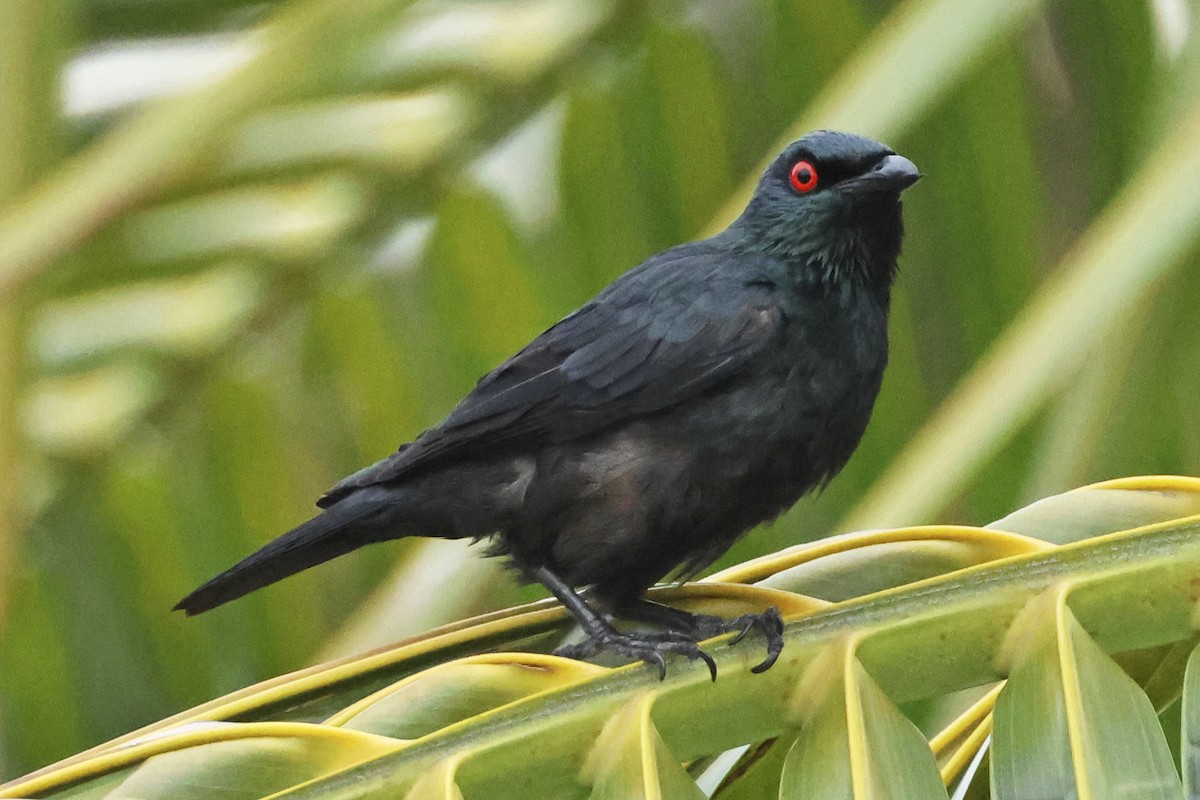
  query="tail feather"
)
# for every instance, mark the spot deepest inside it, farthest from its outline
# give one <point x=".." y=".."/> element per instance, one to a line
<point x="345" y="526"/>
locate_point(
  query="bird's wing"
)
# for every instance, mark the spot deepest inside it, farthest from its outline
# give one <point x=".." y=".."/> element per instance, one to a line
<point x="645" y="344"/>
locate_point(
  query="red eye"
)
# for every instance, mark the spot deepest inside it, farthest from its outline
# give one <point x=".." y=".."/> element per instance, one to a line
<point x="804" y="177"/>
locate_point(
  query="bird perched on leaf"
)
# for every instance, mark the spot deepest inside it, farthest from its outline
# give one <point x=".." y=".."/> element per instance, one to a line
<point x="701" y="393"/>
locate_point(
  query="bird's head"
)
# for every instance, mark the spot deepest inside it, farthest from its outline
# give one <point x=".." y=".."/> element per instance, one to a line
<point x="830" y="206"/>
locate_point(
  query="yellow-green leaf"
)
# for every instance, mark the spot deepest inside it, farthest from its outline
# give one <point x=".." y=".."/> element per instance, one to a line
<point x="1070" y="722"/>
<point x="630" y="761"/>
<point x="855" y="743"/>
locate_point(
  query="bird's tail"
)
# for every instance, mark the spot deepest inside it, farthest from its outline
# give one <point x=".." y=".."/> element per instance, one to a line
<point x="344" y="526"/>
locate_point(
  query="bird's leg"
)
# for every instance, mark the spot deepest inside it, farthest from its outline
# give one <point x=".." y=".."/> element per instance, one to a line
<point x="678" y="624"/>
<point x="602" y="636"/>
<point x="685" y="626"/>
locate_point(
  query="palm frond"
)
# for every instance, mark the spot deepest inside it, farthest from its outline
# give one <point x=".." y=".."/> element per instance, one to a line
<point x="479" y="709"/>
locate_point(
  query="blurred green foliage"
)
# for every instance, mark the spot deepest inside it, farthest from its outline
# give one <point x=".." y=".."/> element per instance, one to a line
<point x="217" y="302"/>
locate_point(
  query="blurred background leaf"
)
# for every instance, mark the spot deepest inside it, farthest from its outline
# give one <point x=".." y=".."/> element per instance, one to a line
<point x="248" y="247"/>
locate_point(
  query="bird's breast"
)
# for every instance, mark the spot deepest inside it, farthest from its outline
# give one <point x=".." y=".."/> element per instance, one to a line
<point x="808" y="408"/>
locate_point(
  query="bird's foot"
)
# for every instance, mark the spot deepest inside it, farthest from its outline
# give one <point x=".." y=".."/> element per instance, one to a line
<point x="645" y="647"/>
<point x="769" y="623"/>
<point x="700" y="627"/>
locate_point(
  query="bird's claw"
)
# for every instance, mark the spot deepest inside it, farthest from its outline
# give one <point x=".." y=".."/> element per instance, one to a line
<point x="769" y="623"/>
<point x="651" y="647"/>
<point x="645" y="647"/>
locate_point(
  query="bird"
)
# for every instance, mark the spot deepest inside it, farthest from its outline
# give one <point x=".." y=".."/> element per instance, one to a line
<point x="700" y="394"/>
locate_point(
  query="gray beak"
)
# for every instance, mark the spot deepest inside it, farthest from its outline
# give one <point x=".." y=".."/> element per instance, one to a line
<point x="892" y="174"/>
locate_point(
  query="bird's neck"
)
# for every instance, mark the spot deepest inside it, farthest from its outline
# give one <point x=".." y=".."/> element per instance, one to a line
<point x="845" y="265"/>
<point x="858" y="252"/>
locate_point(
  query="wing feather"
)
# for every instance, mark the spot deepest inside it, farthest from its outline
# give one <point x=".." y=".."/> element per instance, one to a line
<point x="652" y="340"/>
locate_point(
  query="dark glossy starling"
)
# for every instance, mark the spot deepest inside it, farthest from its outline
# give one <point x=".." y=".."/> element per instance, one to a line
<point x="700" y="394"/>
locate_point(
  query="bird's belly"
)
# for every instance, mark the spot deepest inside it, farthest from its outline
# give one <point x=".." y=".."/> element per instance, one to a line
<point x="624" y="508"/>
<point x="774" y="444"/>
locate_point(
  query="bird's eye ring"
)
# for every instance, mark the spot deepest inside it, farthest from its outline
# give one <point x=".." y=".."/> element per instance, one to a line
<point x="804" y="177"/>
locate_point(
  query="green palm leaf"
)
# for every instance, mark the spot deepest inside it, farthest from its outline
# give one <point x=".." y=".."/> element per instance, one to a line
<point x="455" y="713"/>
